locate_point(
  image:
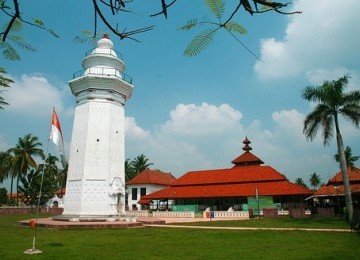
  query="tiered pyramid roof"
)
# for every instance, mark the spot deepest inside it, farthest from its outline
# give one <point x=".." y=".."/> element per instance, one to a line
<point x="241" y="180"/>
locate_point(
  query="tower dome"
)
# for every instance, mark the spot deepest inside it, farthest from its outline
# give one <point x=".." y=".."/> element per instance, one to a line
<point x="103" y="60"/>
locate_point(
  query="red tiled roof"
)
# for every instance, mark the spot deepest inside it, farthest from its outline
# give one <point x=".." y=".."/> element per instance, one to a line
<point x="330" y="189"/>
<point x="144" y="201"/>
<point x="152" y="177"/>
<point x="246" y="158"/>
<point x="14" y="195"/>
<point x="337" y="181"/>
<point x="61" y="191"/>
<point x="354" y="175"/>
<point x="269" y="188"/>
<point x="244" y="174"/>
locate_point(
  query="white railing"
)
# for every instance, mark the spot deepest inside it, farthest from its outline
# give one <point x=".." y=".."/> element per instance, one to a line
<point x="173" y="214"/>
<point x="137" y="213"/>
<point x="226" y="214"/>
<point x="283" y="212"/>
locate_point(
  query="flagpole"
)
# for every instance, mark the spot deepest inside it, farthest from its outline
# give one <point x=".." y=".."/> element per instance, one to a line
<point x="33" y="250"/>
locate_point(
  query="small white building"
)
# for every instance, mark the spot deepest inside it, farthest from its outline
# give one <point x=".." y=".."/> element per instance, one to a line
<point x="146" y="182"/>
<point x="58" y="200"/>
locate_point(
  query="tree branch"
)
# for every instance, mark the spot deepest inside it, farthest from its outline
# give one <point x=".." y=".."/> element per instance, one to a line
<point x="15" y="16"/>
<point x="164" y="8"/>
<point x="115" y="31"/>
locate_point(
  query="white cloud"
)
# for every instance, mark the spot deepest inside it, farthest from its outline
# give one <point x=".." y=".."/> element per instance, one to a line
<point x="33" y="95"/>
<point x="324" y="36"/>
<point x="205" y="119"/>
<point x="133" y="130"/>
<point x="193" y="138"/>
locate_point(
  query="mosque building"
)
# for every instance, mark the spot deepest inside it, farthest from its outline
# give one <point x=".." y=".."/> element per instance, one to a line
<point x="247" y="185"/>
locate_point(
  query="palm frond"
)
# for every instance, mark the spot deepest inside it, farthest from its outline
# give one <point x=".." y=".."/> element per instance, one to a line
<point x="200" y="42"/>
<point x="314" y="120"/>
<point x="217" y="7"/>
<point x="327" y="123"/>
<point x="351" y="112"/>
<point x="235" y="27"/>
<point x="4" y="81"/>
<point x="3" y="103"/>
<point x="311" y="93"/>
<point x="189" y="25"/>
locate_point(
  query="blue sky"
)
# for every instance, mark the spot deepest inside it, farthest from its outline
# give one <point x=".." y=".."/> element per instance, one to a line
<point x="193" y="113"/>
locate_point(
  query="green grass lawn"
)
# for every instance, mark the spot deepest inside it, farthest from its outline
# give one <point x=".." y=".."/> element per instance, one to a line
<point x="169" y="243"/>
<point x="325" y="223"/>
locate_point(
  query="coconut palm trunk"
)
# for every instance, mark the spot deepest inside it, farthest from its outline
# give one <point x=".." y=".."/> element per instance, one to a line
<point x="11" y="190"/>
<point x="345" y="175"/>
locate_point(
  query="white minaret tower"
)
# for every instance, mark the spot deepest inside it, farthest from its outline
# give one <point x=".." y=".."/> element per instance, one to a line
<point x="95" y="186"/>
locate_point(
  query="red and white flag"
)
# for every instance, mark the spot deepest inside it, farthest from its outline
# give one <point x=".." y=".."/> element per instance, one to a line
<point x="55" y="134"/>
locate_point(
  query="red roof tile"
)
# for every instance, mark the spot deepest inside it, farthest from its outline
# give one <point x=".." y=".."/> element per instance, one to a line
<point x="144" y="201"/>
<point x="152" y="177"/>
<point x="330" y="189"/>
<point x="283" y="187"/>
<point x="337" y="181"/>
<point x="246" y="158"/>
<point x="354" y="175"/>
<point x="245" y="174"/>
<point x="61" y="191"/>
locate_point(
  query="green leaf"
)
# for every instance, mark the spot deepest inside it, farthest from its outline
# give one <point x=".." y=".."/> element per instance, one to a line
<point x="16" y="26"/>
<point x="235" y="27"/>
<point x="15" y="38"/>
<point x="53" y="33"/>
<point x="217" y="7"/>
<point x="200" y="42"/>
<point x="11" y="54"/>
<point x="189" y="25"/>
<point x="25" y="45"/>
<point x="38" y="22"/>
<point x="88" y="32"/>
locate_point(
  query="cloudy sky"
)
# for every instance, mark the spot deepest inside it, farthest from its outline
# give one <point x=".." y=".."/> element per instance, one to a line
<point x="193" y="113"/>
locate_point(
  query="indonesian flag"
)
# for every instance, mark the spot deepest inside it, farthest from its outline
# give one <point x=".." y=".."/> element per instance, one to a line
<point x="56" y="134"/>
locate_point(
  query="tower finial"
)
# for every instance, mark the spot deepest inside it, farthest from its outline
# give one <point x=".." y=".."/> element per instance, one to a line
<point x="246" y="147"/>
<point x="106" y="36"/>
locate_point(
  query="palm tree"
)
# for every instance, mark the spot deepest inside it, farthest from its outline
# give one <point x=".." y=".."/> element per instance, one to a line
<point x="315" y="180"/>
<point x="5" y="164"/>
<point x="301" y="182"/>
<point x="63" y="177"/>
<point x="23" y="156"/>
<point x="140" y="163"/>
<point x="350" y="159"/>
<point x="331" y="103"/>
<point x="5" y="170"/>
<point x="129" y="170"/>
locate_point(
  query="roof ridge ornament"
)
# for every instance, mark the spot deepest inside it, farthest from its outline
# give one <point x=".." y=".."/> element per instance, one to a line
<point x="247" y="147"/>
